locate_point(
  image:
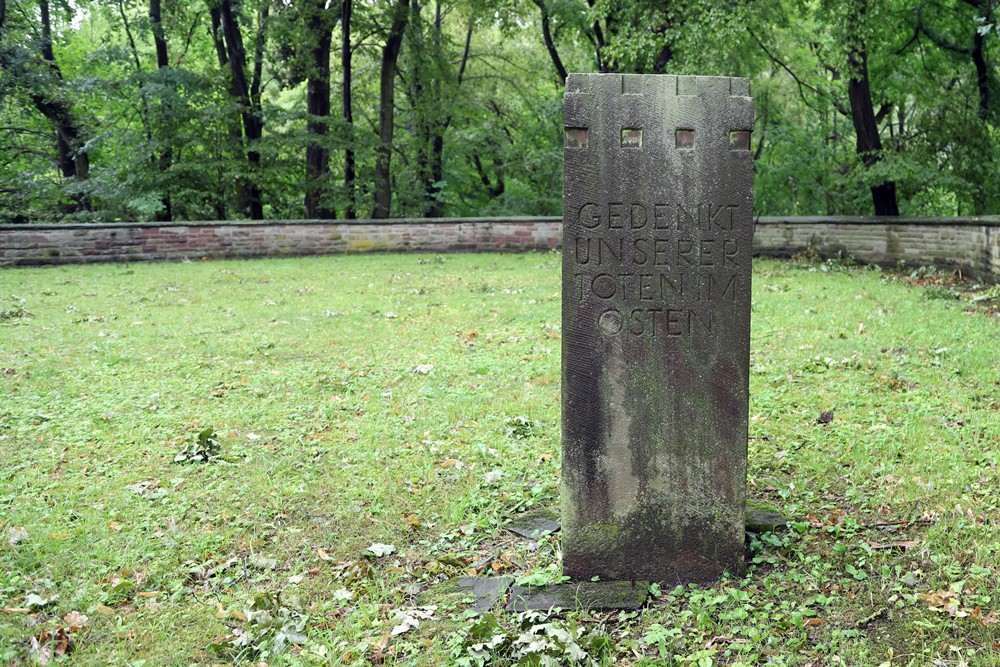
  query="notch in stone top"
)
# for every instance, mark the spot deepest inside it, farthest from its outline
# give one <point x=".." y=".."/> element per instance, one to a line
<point x="684" y="138"/>
<point x="577" y="137"/>
<point x="632" y="84"/>
<point x="739" y="87"/>
<point x="739" y="140"/>
<point x="631" y="137"/>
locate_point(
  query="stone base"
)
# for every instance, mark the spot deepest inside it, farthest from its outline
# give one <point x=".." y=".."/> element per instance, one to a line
<point x="533" y="524"/>
<point x="592" y="595"/>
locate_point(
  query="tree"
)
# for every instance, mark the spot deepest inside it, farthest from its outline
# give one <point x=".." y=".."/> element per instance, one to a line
<point x="347" y="106"/>
<point x="387" y="100"/>
<point x="318" y="41"/>
<point x="26" y="53"/>
<point x="247" y="93"/>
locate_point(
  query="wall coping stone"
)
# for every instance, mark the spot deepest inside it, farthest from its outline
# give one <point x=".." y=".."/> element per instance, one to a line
<point x="281" y="223"/>
<point x="961" y="221"/>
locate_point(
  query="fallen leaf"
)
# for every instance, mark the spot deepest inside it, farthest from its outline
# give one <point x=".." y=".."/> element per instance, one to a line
<point x="36" y="601"/>
<point x="323" y="555"/>
<point x="16" y="534"/>
<point x="410" y="618"/>
<point x="939" y="598"/>
<point x="51" y="643"/>
<point x="104" y="610"/>
<point x="76" y="619"/>
<point x="15" y="610"/>
<point x="296" y="578"/>
<point x="902" y="545"/>
<point x="493" y="476"/>
<point x="148" y="594"/>
<point x="813" y="621"/>
<point x="262" y="562"/>
<point x="381" y="549"/>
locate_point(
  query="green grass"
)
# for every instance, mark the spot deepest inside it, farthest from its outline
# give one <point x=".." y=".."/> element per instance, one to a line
<point x="367" y="400"/>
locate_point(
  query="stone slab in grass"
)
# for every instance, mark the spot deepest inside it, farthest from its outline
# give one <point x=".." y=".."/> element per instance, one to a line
<point x="763" y="518"/>
<point x="593" y="595"/>
<point x="488" y="591"/>
<point x="535" y="523"/>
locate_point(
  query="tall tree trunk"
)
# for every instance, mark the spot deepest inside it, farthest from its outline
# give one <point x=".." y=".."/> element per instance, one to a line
<point x="318" y="107"/>
<point x="982" y="74"/>
<point x="387" y="100"/>
<point x="162" y="62"/>
<point x="422" y="113"/>
<point x="348" y="113"/>
<point x="74" y="162"/>
<point x="550" y="44"/>
<point x="869" y="143"/>
<point x="233" y="123"/>
<point x="253" y="124"/>
<point x="435" y="208"/>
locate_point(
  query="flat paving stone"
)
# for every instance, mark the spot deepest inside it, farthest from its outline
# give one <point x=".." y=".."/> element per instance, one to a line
<point x="535" y="523"/>
<point x="593" y="595"/>
<point x="488" y="591"/>
<point x="762" y="518"/>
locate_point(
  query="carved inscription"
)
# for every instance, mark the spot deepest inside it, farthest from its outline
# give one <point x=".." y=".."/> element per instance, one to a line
<point x="656" y="266"/>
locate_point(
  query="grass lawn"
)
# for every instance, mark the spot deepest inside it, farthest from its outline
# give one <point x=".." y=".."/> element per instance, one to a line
<point x="374" y="421"/>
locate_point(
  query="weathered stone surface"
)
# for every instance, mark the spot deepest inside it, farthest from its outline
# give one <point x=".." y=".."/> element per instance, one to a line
<point x="488" y="591"/>
<point x="593" y="595"/>
<point x="535" y="523"/>
<point x="657" y="234"/>
<point x="763" y="518"/>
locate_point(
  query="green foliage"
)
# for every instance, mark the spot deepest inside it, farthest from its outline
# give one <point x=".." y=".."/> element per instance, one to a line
<point x="204" y="449"/>
<point x="270" y="627"/>
<point x="479" y="128"/>
<point x="534" y="639"/>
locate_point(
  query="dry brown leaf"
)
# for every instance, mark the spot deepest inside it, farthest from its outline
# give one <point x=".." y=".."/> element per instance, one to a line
<point x="104" y="610"/>
<point x="76" y="619"/>
<point x="902" y="545"/>
<point x="938" y="598"/>
<point x="15" y="610"/>
<point x="323" y="555"/>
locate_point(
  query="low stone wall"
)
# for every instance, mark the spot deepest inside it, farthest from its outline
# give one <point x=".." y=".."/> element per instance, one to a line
<point x="129" y="242"/>
<point x="971" y="244"/>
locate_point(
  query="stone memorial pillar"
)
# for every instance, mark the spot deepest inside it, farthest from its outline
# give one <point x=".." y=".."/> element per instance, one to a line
<point x="656" y="326"/>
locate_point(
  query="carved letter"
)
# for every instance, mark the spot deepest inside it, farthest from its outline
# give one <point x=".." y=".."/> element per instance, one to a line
<point x="590" y="216"/>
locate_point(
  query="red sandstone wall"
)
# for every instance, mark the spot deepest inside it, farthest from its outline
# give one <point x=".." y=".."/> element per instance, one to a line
<point x="63" y="244"/>
<point x="970" y="243"/>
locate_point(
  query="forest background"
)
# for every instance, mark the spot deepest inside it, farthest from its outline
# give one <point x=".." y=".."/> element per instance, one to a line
<point x="133" y="110"/>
